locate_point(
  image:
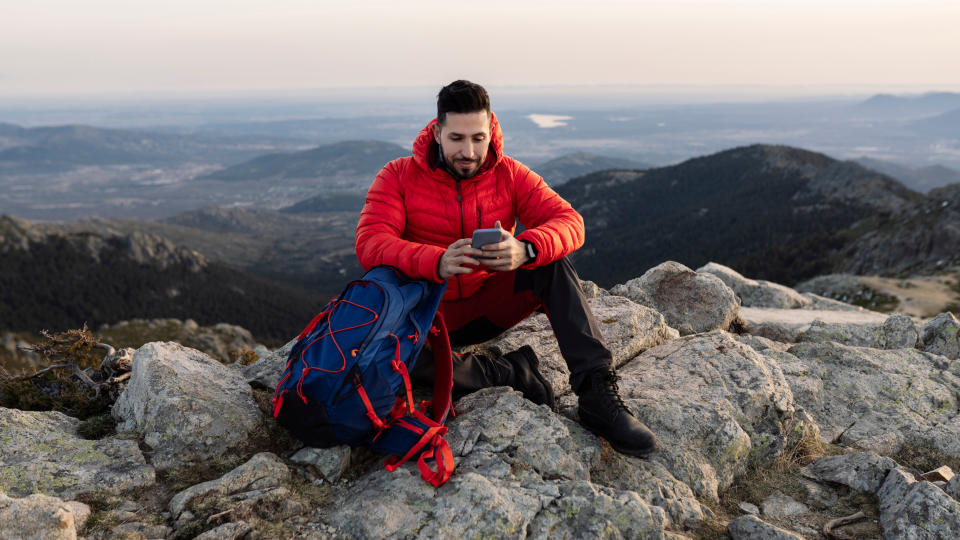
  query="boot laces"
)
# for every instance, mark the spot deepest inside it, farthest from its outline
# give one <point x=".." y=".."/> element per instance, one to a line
<point x="611" y="393"/>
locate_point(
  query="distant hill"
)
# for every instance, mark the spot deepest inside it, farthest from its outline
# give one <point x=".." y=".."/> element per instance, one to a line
<point x="59" y="281"/>
<point x="348" y="158"/>
<point x="924" y="239"/>
<point x="560" y="169"/>
<point x="928" y="103"/>
<point x="944" y="125"/>
<point x="60" y="148"/>
<point x="921" y="179"/>
<point x="334" y="202"/>
<point x="773" y="212"/>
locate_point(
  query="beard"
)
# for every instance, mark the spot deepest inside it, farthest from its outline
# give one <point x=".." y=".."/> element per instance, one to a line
<point x="454" y="166"/>
<point x="460" y="174"/>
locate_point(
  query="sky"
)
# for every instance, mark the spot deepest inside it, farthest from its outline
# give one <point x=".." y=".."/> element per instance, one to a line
<point x="187" y="47"/>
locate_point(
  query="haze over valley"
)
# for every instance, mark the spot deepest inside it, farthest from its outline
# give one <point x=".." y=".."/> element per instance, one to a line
<point x="784" y="190"/>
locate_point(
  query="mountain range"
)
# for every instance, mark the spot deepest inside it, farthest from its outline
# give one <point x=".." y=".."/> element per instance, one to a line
<point x="779" y="213"/>
<point x="347" y="158"/>
<point x="59" y="148"/>
<point x="560" y="169"/>
<point x="921" y="179"/>
<point x="921" y="104"/>
<point x="61" y="280"/>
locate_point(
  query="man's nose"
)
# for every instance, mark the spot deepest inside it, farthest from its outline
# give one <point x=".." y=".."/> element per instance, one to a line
<point x="468" y="151"/>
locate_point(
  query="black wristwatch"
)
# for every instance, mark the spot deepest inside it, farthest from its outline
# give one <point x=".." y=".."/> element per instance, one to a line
<point x="531" y="251"/>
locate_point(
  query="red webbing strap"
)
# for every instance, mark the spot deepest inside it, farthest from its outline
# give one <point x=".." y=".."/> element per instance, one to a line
<point x="371" y="414"/>
<point x="331" y="333"/>
<point x="401" y="368"/>
<point x="395" y="461"/>
<point x="313" y="324"/>
<point x="440" y="452"/>
<point x="442" y="368"/>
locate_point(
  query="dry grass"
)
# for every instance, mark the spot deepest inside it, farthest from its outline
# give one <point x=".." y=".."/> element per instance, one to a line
<point x="759" y="481"/>
<point x="925" y="458"/>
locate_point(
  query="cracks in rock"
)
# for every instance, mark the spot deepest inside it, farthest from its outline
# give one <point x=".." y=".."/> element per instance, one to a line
<point x="836" y="440"/>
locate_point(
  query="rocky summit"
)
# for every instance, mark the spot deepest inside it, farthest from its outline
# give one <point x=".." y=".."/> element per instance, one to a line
<point x="779" y="415"/>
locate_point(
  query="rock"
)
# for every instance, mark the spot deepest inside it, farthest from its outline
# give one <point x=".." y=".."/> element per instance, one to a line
<point x="520" y="468"/>
<point x="760" y="343"/>
<point x="261" y="473"/>
<point x="756" y="293"/>
<point x="787" y="325"/>
<point x="327" y="463"/>
<point x="819" y="496"/>
<point x="584" y="510"/>
<point x="40" y="452"/>
<point x="39" y="517"/>
<point x="592" y="290"/>
<point x="140" y="530"/>
<point x="655" y="485"/>
<point x="847" y="288"/>
<point x="223" y="341"/>
<point x="265" y="372"/>
<point x="683" y="296"/>
<point x="753" y="528"/>
<point x="911" y="509"/>
<point x="940" y="336"/>
<point x="855" y="335"/>
<point x="818" y="302"/>
<point x="627" y="328"/>
<point x="940" y="474"/>
<point x="898" y="331"/>
<point x="716" y="406"/>
<point x="749" y="508"/>
<point x="779" y="505"/>
<point x="875" y="399"/>
<point x="187" y="406"/>
<point x="227" y="531"/>
<point x="953" y="487"/>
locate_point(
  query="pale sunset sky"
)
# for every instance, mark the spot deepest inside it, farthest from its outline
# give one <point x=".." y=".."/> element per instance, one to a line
<point x="66" y="47"/>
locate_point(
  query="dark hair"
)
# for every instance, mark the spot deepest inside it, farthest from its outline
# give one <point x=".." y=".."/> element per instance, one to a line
<point x="461" y="97"/>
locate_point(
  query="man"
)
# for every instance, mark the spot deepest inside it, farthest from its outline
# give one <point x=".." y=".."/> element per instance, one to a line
<point x="419" y="216"/>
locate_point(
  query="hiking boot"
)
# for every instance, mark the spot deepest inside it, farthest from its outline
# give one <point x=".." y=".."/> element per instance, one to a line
<point x="526" y="377"/>
<point x="603" y="412"/>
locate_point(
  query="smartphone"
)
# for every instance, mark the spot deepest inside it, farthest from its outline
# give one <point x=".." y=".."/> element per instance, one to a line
<point x="483" y="237"/>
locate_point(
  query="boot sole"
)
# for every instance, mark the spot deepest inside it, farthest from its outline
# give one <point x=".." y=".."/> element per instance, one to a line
<point x="643" y="453"/>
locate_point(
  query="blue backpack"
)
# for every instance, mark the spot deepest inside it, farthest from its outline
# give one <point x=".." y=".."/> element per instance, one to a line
<point x="347" y="379"/>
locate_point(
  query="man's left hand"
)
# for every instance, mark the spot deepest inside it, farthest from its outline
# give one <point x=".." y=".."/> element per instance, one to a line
<point x="507" y="254"/>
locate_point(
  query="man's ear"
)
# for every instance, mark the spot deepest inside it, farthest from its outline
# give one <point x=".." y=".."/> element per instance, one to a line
<point x="436" y="132"/>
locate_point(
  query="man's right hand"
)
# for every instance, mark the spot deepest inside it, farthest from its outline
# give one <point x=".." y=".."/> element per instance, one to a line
<point x="456" y="256"/>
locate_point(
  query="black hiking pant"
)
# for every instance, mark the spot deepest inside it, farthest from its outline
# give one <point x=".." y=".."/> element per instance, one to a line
<point x="503" y="301"/>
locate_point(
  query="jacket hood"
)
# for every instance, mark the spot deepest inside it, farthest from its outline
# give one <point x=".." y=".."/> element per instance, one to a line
<point x="425" y="148"/>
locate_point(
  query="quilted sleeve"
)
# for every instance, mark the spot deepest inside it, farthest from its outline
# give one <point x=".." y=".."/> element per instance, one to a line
<point x="379" y="232"/>
<point x="554" y="227"/>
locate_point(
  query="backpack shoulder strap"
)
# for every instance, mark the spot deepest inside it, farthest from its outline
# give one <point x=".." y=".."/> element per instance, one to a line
<point x="442" y="369"/>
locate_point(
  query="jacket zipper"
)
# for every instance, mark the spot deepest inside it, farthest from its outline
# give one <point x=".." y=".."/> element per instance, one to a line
<point x="479" y="218"/>
<point x="463" y="234"/>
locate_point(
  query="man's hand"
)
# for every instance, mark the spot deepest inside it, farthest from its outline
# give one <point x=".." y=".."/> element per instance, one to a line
<point x="457" y="254"/>
<point x="508" y="254"/>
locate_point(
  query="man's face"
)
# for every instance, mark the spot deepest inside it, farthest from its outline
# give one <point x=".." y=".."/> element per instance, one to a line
<point x="465" y="139"/>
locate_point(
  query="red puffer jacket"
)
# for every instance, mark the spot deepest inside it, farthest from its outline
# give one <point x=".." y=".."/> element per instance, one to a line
<point x="414" y="210"/>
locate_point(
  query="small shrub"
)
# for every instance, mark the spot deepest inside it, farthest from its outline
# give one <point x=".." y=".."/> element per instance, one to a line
<point x="245" y="357"/>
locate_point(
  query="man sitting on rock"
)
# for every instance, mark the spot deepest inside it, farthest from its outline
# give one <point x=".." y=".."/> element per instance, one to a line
<point x="419" y="217"/>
